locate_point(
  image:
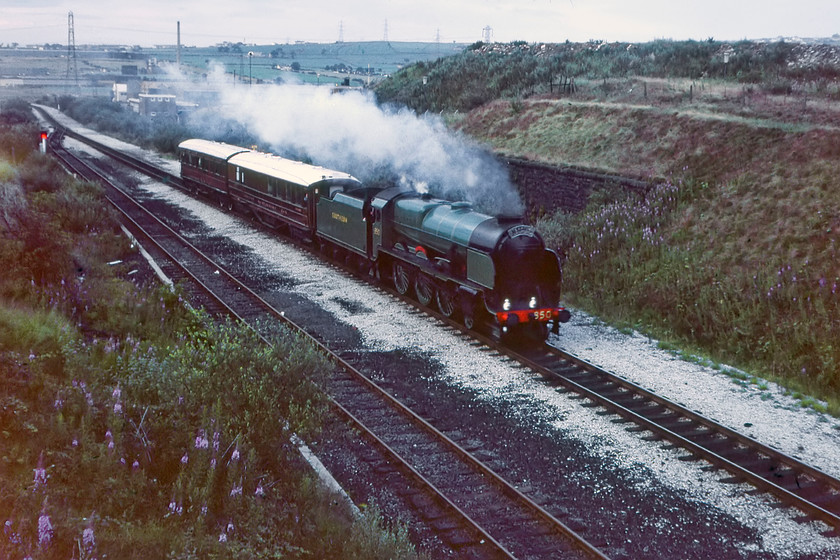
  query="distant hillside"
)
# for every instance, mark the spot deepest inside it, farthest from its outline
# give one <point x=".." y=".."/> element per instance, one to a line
<point x="485" y="72"/>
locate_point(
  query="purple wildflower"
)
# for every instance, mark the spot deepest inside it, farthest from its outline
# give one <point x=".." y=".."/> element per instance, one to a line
<point x="40" y="477"/>
<point x="9" y="529"/>
<point x="45" y="530"/>
<point x="185" y="459"/>
<point x="88" y="538"/>
<point x="40" y="473"/>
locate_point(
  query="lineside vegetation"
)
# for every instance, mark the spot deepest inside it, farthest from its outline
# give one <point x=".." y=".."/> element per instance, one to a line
<point x="132" y="426"/>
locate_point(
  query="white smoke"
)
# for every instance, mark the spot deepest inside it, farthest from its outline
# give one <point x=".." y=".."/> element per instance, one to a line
<point x="349" y="132"/>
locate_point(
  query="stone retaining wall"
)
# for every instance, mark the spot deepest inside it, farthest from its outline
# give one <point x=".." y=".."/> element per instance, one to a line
<point x="546" y="188"/>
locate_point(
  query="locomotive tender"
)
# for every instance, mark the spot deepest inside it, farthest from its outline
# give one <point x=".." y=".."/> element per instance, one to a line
<point x="468" y="264"/>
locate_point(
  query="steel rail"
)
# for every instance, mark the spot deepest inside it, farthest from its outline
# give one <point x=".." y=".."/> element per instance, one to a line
<point x="740" y="471"/>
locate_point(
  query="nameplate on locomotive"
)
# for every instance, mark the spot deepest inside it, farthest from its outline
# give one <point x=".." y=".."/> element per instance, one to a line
<point x="523" y="229"/>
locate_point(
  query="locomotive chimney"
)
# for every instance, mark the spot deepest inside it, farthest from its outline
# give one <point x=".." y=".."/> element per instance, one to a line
<point x="510" y="218"/>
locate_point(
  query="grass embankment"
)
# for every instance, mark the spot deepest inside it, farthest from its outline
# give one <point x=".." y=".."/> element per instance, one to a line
<point x="734" y="253"/>
<point x="132" y="426"/>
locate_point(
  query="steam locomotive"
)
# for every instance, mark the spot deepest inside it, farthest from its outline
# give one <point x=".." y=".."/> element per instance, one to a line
<point x="480" y="269"/>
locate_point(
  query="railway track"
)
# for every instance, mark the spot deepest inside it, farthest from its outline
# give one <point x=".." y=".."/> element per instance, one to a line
<point x="790" y="481"/>
<point x="474" y="510"/>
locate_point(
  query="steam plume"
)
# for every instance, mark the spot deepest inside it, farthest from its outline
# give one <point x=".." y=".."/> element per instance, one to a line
<point x="350" y="132"/>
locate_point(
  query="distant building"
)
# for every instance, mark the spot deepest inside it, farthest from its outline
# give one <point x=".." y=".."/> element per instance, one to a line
<point x="157" y="106"/>
<point x="120" y="93"/>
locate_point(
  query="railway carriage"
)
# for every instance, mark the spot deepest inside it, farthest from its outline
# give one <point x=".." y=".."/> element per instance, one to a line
<point x="481" y="268"/>
<point x="204" y="166"/>
<point x="282" y="192"/>
<point x="279" y="192"/>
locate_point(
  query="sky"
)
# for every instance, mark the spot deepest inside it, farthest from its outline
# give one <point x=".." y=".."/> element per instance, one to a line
<point x="209" y="22"/>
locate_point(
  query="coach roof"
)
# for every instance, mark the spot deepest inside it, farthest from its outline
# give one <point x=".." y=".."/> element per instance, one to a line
<point x="210" y="148"/>
<point x="286" y="169"/>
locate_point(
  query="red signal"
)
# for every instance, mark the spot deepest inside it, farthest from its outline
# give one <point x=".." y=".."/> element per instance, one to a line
<point x="43" y="135"/>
